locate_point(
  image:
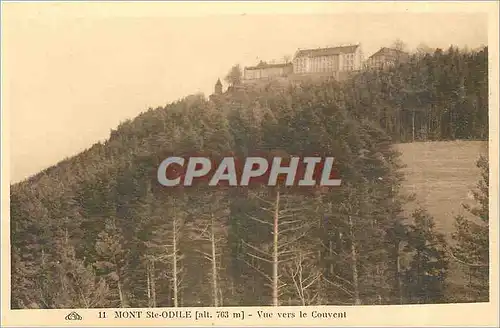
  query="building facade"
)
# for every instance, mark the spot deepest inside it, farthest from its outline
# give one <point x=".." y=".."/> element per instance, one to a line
<point x="328" y="61"/>
<point x="386" y="57"/>
<point x="267" y="71"/>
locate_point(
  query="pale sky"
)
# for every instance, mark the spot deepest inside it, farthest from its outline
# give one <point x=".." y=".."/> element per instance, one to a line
<point x="72" y="72"/>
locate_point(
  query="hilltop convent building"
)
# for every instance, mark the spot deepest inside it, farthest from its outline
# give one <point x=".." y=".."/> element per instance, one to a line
<point x="267" y="71"/>
<point x="386" y="57"/>
<point x="338" y="62"/>
<point x="328" y="60"/>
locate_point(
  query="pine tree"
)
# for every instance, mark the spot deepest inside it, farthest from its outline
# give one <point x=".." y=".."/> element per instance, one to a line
<point x="113" y="255"/>
<point x="66" y="281"/>
<point x="472" y="239"/>
<point x="427" y="270"/>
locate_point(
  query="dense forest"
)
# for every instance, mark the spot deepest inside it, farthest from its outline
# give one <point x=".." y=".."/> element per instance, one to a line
<point x="98" y="230"/>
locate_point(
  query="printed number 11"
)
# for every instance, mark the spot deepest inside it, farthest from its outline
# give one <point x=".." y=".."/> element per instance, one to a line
<point x="102" y="315"/>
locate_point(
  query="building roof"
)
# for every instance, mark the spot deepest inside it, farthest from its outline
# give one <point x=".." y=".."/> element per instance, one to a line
<point x="218" y="82"/>
<point x="327" y="51"/>
<point x="262" y="65"/>
<point x="388" y="51"/>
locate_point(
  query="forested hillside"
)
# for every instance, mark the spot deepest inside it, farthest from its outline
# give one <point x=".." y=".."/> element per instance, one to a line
<point x="97" y="230"/>
<point x="440" y="96"/>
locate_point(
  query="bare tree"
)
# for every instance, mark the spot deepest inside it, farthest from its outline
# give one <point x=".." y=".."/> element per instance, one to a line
<point x="287" y="228"/>
<point x="399" y="45"/>
<point x="214" y="234"/>
<point x="175" y="258"/>
<point x="305" y="275"/>
<point x="400" y="48"/>
<point x="151" y="280"/>
<point x="354" y="259"/>
<point x="165" y="247"/>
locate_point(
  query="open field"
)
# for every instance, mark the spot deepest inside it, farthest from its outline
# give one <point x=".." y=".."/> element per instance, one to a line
<point x="441" y="175"/>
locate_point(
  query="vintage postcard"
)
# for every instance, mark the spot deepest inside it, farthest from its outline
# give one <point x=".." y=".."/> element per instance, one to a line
<point x="249" y="164"/>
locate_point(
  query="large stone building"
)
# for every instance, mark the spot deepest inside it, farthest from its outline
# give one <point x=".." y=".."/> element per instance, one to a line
<point x="333" y="62"/>
<point x="267" y="71"/>
<point x="328" y="61"/>
<point x="386" y="57"/>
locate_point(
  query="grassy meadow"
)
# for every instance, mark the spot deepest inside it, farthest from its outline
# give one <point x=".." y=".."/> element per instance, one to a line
<point x="441" y="175"/>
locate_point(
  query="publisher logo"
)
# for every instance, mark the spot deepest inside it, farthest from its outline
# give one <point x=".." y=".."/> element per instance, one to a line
<point x="73" y="316"/>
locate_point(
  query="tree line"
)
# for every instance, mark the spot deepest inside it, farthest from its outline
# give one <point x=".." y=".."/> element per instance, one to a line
<point x="97" y="230"/>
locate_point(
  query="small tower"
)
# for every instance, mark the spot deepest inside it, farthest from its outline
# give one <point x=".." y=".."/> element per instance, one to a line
<point x="218" y="87"/>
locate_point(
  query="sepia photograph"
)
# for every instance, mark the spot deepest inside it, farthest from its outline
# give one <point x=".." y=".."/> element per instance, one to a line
<point x="235" y="156"/>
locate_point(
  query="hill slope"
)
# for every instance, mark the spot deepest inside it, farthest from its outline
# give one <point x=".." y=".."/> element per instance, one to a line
<point x="102" y="216"/>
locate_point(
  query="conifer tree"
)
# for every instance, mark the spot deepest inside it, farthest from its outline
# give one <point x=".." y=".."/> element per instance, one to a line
<point x="427" y="271"/>
<point x="113" y="256"/>
<point x="472" y="238"/>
